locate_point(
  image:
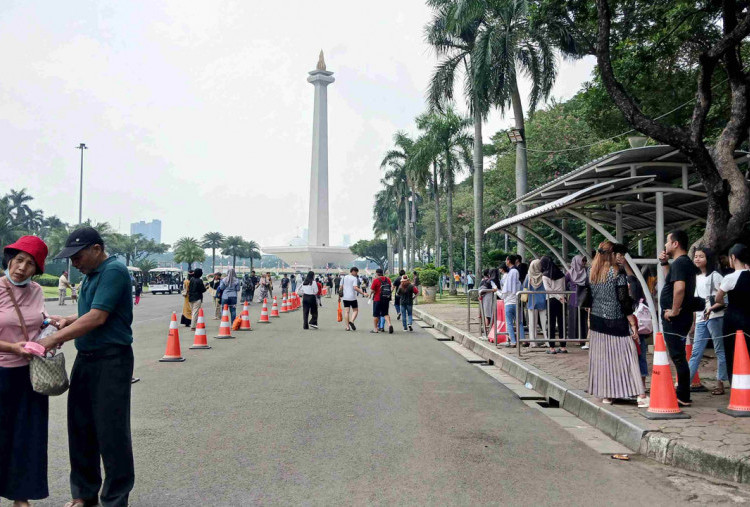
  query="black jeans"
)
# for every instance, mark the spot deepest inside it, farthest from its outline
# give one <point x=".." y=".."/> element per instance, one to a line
<point x="99" y="425"/>
<point x="674" y="337"/>
<point x="556" y="320"/>
<point x="309" y="308"/>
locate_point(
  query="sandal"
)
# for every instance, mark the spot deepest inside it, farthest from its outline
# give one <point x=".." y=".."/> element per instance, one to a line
<point x="78" y="502"/>
<point x="718" y="392"/>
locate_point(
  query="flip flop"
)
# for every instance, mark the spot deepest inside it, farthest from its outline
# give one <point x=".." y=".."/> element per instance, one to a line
<point x="717" y="392"/>
<point x="76" y="503"/>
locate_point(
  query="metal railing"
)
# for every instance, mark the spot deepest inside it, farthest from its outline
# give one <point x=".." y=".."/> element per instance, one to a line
<point x="582" y="313"/>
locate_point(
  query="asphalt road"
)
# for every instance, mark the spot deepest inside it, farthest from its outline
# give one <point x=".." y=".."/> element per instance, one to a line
<point x="282" y="416"/>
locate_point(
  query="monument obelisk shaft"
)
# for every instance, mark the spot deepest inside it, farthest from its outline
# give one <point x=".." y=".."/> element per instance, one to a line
<point x="318" y="217"/>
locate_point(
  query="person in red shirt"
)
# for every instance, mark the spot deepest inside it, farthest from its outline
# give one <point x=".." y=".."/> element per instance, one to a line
<point x="381" y="291"/>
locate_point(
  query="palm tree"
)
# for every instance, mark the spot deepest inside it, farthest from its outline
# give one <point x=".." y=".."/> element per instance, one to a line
<point x="250" y="250"/>
<point x="233" y="245"/>
<point x="448" y="144"/>
<point x="188" y="250"/>
<point x="19" y="210"/>
<point x="8" y="230"/>
<point x="401" y="176"/>
<point x="213" y="240"/>
<point x="385" y="220"/>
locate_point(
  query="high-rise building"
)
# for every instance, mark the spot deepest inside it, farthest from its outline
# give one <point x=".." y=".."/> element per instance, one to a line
<point x="347" y="240"/>
<point x="149" y="230"/>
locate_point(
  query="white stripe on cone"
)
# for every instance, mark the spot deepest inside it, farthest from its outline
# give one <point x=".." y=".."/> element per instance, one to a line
<point x="740" y="381"/>
<point x="660" y="358"/>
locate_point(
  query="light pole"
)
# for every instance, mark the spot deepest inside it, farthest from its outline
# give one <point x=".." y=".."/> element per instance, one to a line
<point x="466" y="231"/>
<point x="81" y="147"/>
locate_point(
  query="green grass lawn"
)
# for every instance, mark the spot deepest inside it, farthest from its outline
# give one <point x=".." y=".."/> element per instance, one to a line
<point x="51" y="292"/>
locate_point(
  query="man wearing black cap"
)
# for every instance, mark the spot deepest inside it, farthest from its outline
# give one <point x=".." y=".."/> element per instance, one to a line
<point x="99" y="397"/>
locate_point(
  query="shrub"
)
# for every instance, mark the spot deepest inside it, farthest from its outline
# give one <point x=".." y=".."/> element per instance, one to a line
<point x="46" y="280"/>
<point x="428" y="277"/>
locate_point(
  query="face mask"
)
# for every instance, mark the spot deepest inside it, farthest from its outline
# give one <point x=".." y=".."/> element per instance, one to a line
<point x="18" y="284"/>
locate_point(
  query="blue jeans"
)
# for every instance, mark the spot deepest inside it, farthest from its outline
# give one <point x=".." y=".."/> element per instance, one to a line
<point x="703" y="331"/>
<point x="407" y="310"/>
<point x="510" y="320"/>
<point x="232" y="302"/>
<point x="381" y="323"/>
<point x="642" y="359"/>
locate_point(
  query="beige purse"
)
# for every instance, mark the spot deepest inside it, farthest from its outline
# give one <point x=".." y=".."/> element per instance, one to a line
<point x="48" y="374"/>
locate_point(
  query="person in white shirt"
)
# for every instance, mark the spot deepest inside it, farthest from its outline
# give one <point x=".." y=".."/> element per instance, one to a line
<point x="511" y="285"/>
<point x="349" y="289"/>
<point x="62" y="287"/>
<point x="708" y="324"/>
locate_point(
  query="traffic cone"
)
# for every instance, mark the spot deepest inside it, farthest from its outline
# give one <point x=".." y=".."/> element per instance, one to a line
<point x="298" y="299"/>
<point x="173" y="354"/>
<point x="739" y="397"/>
<point x="200" y="333"/>
<point x="284" y="304"/>
<point x="245" y="316"/>
<point x="225" y="328"/>
<point x="695" y="385"/>
<point x="275" y="308"/>
<point x="264" y="312"/>
<point x="663" y="403"/>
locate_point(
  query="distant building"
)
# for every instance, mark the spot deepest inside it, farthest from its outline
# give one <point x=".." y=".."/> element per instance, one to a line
<point x="347" y="240"/>
<point x="149" y="230"/>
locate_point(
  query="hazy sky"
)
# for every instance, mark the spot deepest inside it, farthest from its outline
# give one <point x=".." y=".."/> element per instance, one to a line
<point x="199" y="113"/>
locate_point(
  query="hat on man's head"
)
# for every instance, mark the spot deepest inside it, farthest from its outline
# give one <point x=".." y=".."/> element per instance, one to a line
<point x="78" y="240"/>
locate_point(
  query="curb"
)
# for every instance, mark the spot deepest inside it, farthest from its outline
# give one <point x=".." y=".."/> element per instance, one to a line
<point x="622" y="428"/>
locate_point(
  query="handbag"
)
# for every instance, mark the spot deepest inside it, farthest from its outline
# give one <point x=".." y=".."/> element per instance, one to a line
<point x="583" y="295"/>
<point x="48" y="374"/>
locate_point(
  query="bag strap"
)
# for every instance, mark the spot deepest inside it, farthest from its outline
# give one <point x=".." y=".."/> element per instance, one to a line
<point x="18" y="310"/>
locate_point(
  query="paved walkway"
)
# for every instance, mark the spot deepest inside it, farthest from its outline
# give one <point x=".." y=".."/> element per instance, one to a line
<point x="707" y="430"/>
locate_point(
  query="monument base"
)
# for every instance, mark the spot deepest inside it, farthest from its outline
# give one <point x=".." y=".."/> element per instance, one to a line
<point x="313" y="257"/>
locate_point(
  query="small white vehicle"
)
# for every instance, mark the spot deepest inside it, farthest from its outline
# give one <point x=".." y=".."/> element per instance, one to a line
<point x="165" y="280"/>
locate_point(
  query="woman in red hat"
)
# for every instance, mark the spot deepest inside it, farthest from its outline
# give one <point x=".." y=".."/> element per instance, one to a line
<point x="23" y="412"/>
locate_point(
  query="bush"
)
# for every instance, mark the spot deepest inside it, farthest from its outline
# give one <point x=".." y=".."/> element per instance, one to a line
<point x="428" y="277"/>
<point x="46" y="280"/>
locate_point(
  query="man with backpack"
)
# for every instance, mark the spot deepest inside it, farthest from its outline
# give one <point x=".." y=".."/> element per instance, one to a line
<point x="382" y="290"/>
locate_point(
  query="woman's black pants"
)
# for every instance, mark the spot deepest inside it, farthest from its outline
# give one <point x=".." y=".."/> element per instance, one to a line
<point x="309" y="309"/>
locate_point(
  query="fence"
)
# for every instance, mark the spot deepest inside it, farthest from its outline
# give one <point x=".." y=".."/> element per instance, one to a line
<point x="549" y="321"/>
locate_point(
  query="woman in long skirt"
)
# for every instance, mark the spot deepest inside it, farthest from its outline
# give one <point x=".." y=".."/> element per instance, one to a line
<point x="187" y="311"/>
<point x="613" y="332"/>
<point x="24" y="414"/>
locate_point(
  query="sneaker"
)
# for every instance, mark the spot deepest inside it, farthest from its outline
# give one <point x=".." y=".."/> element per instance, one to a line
<point x="351" y="325"/>
<point x="643" y="402"/>
<point x="133" y="380"/>
<point x="585" y="347"/>
<point x="411" y="328"/>
<point x="314" y="326"/>
<point x="390" y="329"/>
<point x="398" y="316"/>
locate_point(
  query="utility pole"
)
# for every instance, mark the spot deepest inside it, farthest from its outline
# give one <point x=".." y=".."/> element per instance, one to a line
<point x="81" y="147"/>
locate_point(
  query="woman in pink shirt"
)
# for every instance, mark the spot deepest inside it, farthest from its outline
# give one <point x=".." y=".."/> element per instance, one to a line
<point x="23" y="412"/>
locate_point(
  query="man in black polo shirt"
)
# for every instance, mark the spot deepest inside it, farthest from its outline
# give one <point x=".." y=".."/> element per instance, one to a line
<point x="99" y="397"/>
<point x="674" y="301"/>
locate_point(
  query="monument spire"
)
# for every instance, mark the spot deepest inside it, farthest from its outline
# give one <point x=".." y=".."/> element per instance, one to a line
<point x="318" y="212"/>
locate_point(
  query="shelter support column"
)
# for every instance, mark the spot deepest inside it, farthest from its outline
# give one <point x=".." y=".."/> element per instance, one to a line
<point x="589" y="246"/>
<point x="618" y="223"/>
<point x="564" y="226"/>
<point x="660" y="240"/>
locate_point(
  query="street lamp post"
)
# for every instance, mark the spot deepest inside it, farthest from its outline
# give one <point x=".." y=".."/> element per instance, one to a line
<point x="81" y="147"/>
<point x="466" y="231"/>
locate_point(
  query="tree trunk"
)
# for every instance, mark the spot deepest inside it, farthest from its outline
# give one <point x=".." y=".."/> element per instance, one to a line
<point x="234" y="260"/>
<point x="436" y="197"/>
<point x="413" y="223"/>
<point x="400" y="246"/>
<point x="521" y="164"/>
<point x="389" y="251"/>
<point x="406" y="230"/>
<point x="449" y="226"/>
<point x="213" y="260"/>
<point x="478" y="192"/>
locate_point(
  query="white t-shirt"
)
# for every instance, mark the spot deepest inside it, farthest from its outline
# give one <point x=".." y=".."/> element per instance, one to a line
<point x="706" y="286"/>
<point x="730" y="281"/>
<point x="348" y="283"/>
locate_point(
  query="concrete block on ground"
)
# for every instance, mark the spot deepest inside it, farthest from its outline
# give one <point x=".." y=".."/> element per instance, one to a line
<point x="630" y="433"/>
<point x="691" y="457"/>
<point x="572" y="401"/>
<point x="588" y="411"/>
<point x="658" y="447"/>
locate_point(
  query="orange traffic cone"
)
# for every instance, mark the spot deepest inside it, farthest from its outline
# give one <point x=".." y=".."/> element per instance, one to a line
<point x="663" y="397"/>
<point x="173" y="354"/>
<point x="200" y="333"/>
<point x="245" y="316"/>
<point x="739" y="397"/>
<point x="695" y="385"/>
<point x="275" y="308"/>
<point x="225" y="328"/>
<point x="284" y="303"/>
<point x="264" y="312"/>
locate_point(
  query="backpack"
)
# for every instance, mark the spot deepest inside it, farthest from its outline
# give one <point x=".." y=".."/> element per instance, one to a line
<point x="643" y="316"/>
<point x="385" y="288"/>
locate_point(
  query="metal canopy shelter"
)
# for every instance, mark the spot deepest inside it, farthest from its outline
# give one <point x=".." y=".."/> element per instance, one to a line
<point x="638" y="192"/>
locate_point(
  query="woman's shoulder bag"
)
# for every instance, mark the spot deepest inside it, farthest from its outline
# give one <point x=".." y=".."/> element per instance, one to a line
<point x="48" y="374"/>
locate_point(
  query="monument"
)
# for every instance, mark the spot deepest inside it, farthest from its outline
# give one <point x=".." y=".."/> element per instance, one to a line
<point x="318" y="253"/>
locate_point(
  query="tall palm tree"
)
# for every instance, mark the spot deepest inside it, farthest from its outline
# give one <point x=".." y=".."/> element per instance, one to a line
<point x="19" y="209"/>
<point x="188" y="250"/>
<point x="233" y="245"/>
<point x="402" y="176"/>
<point x="8" y="230"/>
<point x="386" y="221"/>
<point x="213" y="240"/>
<point x="448" y="143"/>
<point x="251" y="250"/>
<point x="454" y="32"/>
